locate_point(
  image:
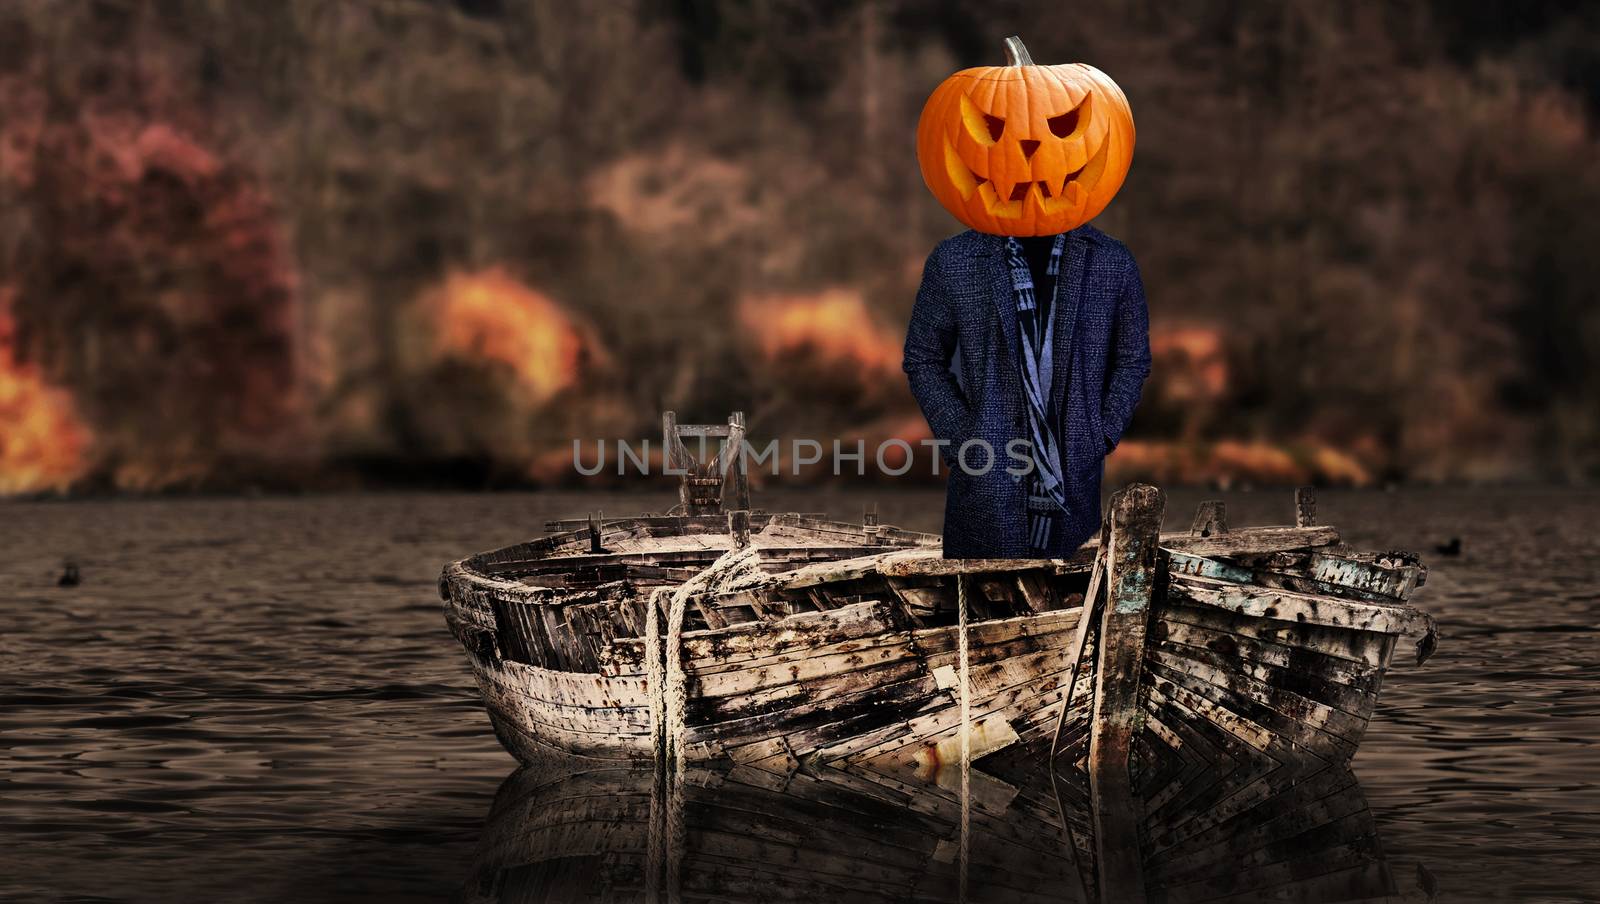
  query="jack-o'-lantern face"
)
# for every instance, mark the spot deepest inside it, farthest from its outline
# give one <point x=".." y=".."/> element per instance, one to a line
<point x="1022" y="149"/>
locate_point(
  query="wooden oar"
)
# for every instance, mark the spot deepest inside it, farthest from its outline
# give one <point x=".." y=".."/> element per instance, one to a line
<point x="1091" y="605"/>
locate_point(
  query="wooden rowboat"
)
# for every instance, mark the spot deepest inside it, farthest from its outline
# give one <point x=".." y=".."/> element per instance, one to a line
<point x="611" y="833"/>
<point x="806" y="642"/>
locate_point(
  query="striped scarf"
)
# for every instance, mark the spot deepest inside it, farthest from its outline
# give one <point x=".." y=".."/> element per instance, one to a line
<point x="1047" y="499"/>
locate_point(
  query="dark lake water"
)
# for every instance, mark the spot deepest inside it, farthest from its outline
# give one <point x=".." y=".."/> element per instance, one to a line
<point x="257" y="700"/>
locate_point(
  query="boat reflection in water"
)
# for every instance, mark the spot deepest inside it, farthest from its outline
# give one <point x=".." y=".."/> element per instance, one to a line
<point x="602" y="832"/>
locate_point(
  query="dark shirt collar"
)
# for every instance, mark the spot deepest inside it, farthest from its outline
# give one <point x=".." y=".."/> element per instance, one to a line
<point x="996" y="244"/>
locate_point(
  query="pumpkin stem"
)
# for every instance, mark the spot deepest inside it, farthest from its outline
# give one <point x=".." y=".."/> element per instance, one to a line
<point x="1016" y="54"/>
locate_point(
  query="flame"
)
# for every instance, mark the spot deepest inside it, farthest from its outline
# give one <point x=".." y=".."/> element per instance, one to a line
<point x="834" y="326"/>
<point x="43" y="444"/>
<point x="488" y="316"/>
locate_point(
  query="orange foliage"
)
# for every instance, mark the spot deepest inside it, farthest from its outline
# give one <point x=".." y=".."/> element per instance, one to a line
<point x="1228" y="462"/>
<point x="1191" y="361"/>
<point x="488" y="316"/>
<point x="834" y="326"/>
<point x="43" y="445"/>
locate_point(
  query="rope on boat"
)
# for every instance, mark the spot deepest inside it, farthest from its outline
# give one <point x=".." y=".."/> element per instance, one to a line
<point x="656" y="853"/>
<point x="675" y="692"/>
<point x="667" y="687"/>
<point x="966" y="725"/>
<point x="664" y="673"/>
<point x="653" y="672"/>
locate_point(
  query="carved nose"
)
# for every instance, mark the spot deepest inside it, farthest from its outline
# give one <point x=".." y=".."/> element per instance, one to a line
<point x="1028" y="147"/>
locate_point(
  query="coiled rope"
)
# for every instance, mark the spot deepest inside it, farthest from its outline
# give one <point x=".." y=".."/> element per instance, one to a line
<point x="664" y="673"/>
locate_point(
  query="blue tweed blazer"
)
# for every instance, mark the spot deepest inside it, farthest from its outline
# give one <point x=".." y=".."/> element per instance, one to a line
<point x="961" y="358"/>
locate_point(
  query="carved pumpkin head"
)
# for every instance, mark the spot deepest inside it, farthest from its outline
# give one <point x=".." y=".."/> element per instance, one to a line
<point x="1022" y="149"/>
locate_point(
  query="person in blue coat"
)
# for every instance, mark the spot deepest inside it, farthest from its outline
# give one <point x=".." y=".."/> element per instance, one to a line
<point x="1027" y="356"/>
<point x="1029" y="342"/>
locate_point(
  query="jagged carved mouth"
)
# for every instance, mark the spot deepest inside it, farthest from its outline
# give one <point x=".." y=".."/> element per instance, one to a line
<point x="1055" y="194"/>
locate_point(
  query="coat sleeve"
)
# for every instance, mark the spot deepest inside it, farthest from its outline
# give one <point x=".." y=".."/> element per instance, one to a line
<point x="930" y="344"/>
<point x="1130" y="357"/>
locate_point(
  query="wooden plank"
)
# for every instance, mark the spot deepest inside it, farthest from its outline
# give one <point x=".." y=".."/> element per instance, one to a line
<point x="739" y="527"/>
<point x="1297" y="579"/>
<point x="1198" y="708"/>
<point x="829" y="681"/>
<point x="758" y="639"/>
<point x="1360" y="647"/>
<point x="999" y="630"/>
<point x="573" y="531"/>
<point x="1358" y="678"/>
<point x="1132" y="560"/>
<point x="1300" y="608"/>
<point x="867" y="647"/>
<point x="1391" y="581"/>
<point x="713" y="615"/>
<point x="1210" y="519"/>
<point x="1037" y="592"/>
<point x="1239" y="542"/>
<point x="1361" y="575"/>
<point x="739" y="498"/>
<point x="1308" y="683"/>
<point x="1012" y="688"/>
<point x="804" y="525"/>
<point x="1300" y="707"/>
<point x="932" y="562"/>
<point x="807" y="726"/>
<point x="603" y="732"/>
<point x="1242" y="705"/>
<point x="1305" y="506"/>
<point x="1253" y="540"/>
<point x="578" y="688"/>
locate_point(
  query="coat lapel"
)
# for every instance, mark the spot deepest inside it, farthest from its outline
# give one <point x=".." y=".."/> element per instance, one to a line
<point x="992" y="255"/>
<point x="1068" y="293"/>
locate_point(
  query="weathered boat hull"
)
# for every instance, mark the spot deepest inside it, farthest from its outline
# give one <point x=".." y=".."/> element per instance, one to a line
<point x="836" y="650"/>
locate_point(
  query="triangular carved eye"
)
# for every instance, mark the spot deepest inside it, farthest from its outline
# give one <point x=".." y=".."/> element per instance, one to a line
<point x="1062" y="126"/>
<point x="983" y="128"/>
<point x="1067" y="123"/>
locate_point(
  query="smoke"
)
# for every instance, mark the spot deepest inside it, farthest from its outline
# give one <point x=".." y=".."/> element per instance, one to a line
<point x="314" y="244"/>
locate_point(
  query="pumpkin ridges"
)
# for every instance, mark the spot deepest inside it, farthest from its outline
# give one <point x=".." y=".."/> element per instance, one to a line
<point x="1116" y="108"/>
<point x="1122" y="137"/>
<point x="952" y="101"/>
<point x="932" y="139"/>
<point x="1063" y="101"/>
